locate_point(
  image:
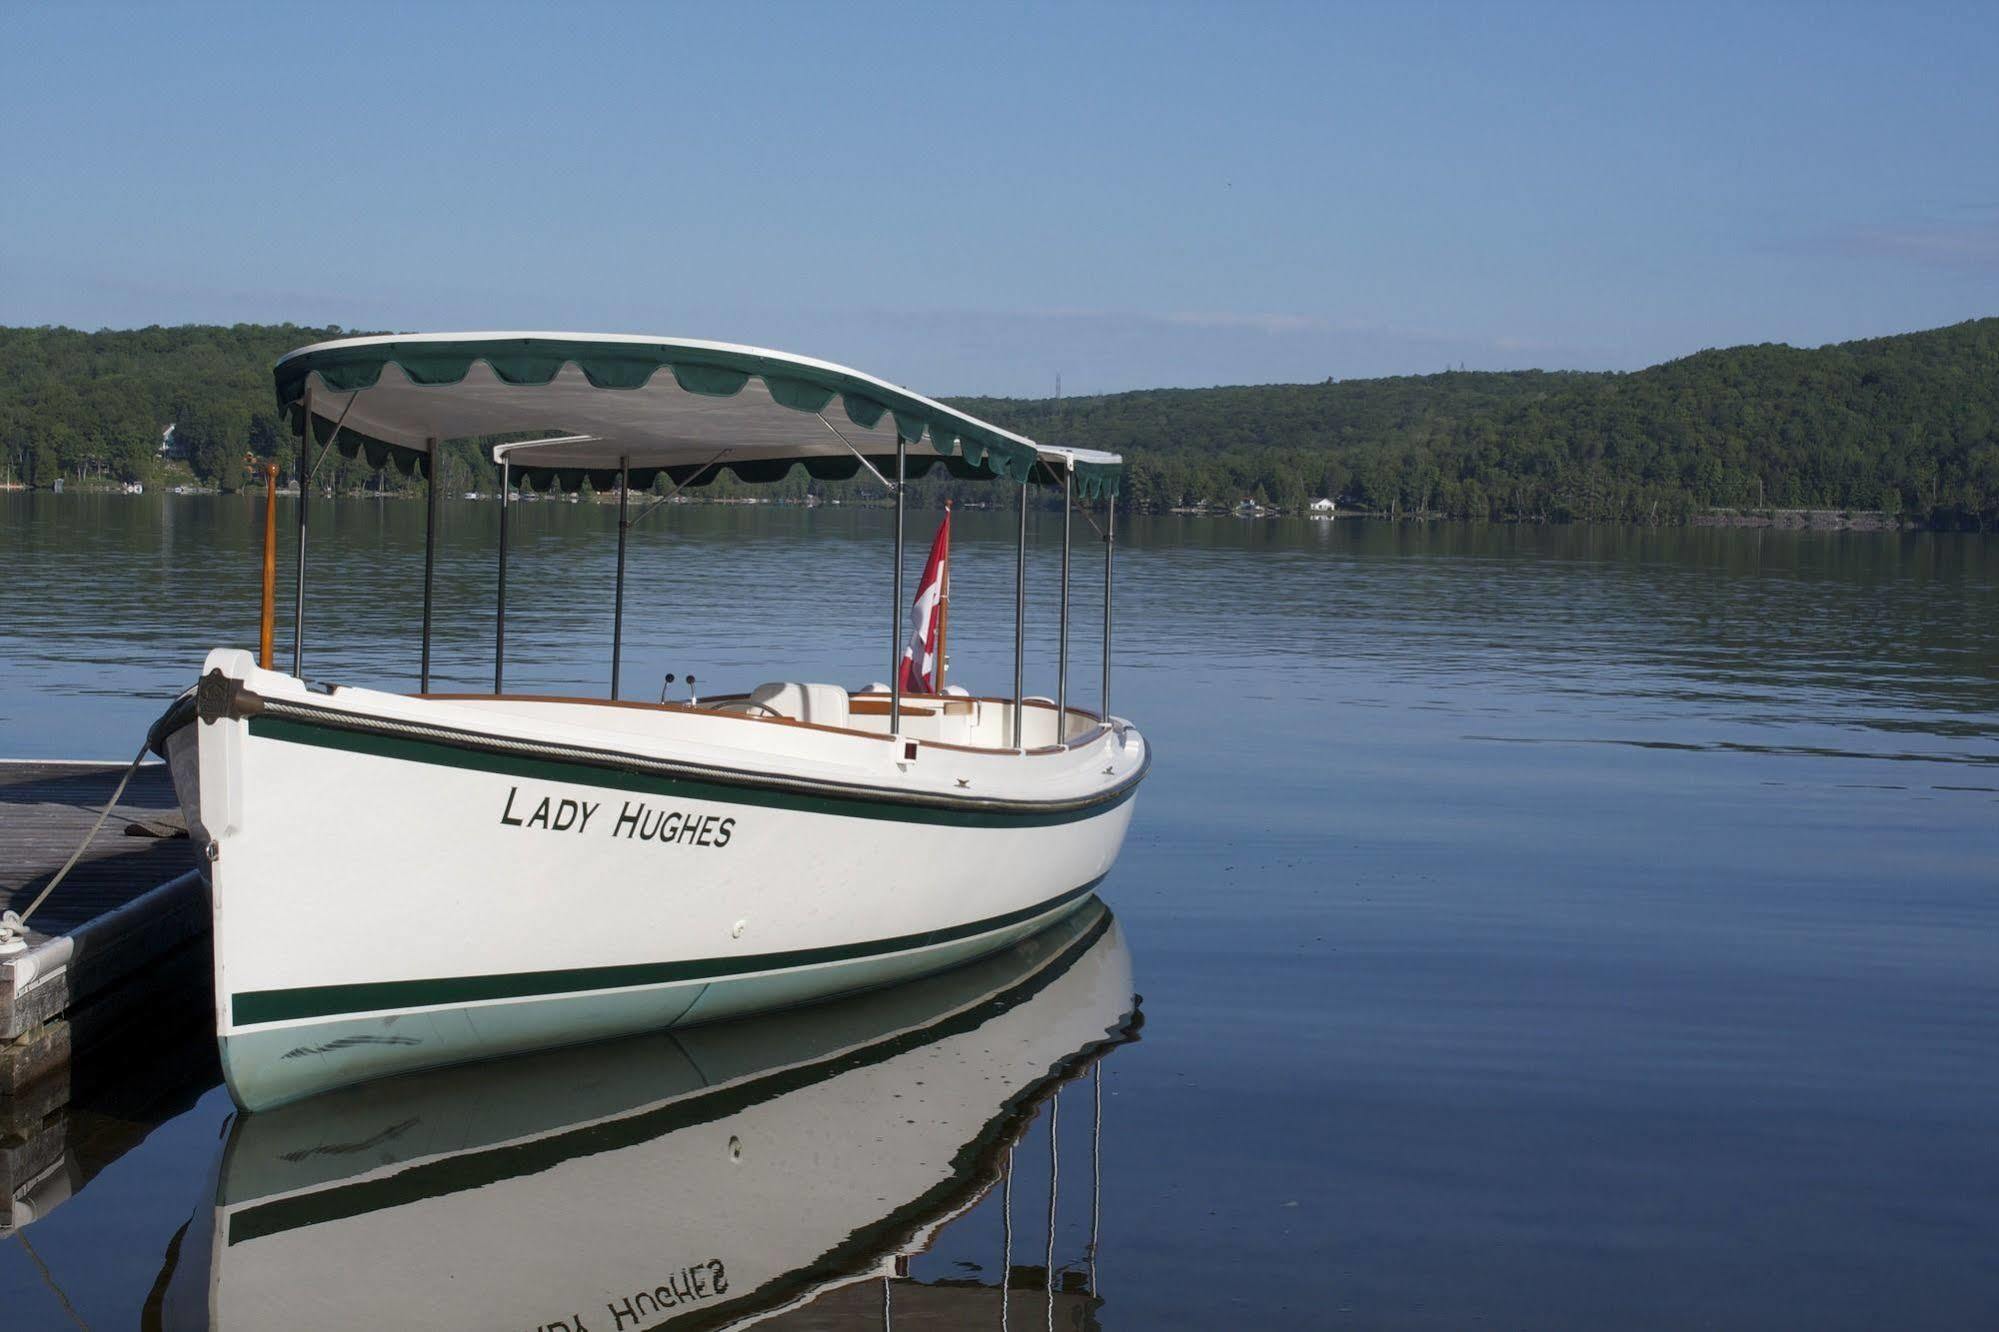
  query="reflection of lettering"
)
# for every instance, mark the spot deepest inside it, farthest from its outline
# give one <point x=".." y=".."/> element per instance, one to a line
<point x="690" y="1285"/>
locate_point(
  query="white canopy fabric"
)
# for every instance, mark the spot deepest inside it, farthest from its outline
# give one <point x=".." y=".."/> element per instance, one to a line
<point x="689" y="408"/>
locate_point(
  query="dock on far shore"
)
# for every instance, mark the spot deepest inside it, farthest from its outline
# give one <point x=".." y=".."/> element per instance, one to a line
<point x="122" y="926"/>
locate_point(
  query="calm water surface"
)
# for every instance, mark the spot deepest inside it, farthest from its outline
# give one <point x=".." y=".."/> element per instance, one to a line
<point x="1570" y="928"/>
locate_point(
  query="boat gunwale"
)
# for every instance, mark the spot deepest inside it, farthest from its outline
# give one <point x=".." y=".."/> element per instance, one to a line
<point x="1081" y="741"/>
<point x="244" y="704"/>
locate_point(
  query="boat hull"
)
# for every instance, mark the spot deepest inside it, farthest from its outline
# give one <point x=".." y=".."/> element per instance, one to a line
<point x="398" y="887"/>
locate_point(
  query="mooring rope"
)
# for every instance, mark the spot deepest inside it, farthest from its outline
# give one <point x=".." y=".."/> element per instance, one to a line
<point x="15" y="926"/>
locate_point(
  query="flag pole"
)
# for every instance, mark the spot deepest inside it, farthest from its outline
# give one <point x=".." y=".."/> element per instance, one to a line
<point x="944" y="607"/>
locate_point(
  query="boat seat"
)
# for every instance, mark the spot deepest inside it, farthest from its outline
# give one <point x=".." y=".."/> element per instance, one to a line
<point x="821" y="704"/>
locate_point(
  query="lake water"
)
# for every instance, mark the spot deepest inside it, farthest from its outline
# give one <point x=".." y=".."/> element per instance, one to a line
<point x="1566" y="928"/>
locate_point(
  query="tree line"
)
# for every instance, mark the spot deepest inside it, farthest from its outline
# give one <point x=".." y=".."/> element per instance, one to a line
<point x="1907" y="424"/>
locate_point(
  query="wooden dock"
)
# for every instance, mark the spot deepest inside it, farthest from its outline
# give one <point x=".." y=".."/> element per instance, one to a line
<point x="116" y="930"/>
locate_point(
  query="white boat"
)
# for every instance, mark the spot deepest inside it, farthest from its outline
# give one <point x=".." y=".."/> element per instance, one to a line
<point x="409" y="880"/>
<point x="719" y="1177"/>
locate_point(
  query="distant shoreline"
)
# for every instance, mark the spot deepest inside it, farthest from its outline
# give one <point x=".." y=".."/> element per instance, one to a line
<point x="1781" y="520"/>
<point x="1812" y="520"/>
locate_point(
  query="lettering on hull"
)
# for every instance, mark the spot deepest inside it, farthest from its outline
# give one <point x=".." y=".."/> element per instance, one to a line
<point x="636" y="820"/>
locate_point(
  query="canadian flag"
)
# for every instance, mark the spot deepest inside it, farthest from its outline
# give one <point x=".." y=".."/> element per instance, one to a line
<point x="922" y="662"/>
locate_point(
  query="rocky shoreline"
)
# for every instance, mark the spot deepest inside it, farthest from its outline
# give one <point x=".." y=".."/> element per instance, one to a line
<point x="1814" y="520"/>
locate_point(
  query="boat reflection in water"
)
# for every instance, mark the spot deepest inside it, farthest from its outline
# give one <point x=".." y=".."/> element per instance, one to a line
<point x="778" y="1170"/>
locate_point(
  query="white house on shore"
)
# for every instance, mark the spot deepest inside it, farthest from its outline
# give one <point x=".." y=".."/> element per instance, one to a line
<point x="1321" y="508"/>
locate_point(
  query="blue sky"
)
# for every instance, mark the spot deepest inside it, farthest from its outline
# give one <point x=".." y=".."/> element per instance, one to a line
<point x="975" y="198"/>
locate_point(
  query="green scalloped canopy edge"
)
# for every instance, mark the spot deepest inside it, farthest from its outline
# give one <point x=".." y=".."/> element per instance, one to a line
<point x="968" y="450"/>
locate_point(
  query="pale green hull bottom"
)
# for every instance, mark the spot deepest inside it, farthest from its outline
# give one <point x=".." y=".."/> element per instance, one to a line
<point x="269" y="1066"/>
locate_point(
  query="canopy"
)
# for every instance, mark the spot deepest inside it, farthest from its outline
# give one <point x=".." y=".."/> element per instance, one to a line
<point x="688" y="408"/>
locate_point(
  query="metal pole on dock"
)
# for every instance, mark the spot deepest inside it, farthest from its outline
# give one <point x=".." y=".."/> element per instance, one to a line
<point x="429" y="558"/>
<point x="1020" y="620"/>
<point x="500" y="622"/>
<point x="268" y="610"/>
<point x="895" y="618"/>
<point x="618" y="600"/>
<point x="1110" y="540"/>
<point x="304" y="490"/>
<point x="1062" y="671"/>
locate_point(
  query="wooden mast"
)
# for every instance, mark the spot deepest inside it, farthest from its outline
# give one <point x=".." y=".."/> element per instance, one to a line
<point x="268" y="619"/>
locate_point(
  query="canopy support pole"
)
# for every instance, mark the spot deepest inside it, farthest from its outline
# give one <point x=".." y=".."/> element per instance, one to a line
<point x="875" y="471"/>
<point x="1110" y="541"/>
<point x="1054" y="1192"/>
<point x="308" y="467"/>
<point x="692" y="477"/>
<point x="304" y="489"/>
<point x="895" y="617"/>
<point x="1020" y="624"/>
<point x="1096" y="1164"/>
<point x="429" y="561"/>
<point x="1006" y="1232"/>
<point x="500" y="624"/>
<point x="618" y="602"/>
<point x="1062" y="671"/>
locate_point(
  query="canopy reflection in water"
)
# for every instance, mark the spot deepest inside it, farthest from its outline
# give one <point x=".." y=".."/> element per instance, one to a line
<point x="705" y="1177"/>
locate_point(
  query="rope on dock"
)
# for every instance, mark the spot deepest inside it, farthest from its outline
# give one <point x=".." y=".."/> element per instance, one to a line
<point x="13" y="927"/>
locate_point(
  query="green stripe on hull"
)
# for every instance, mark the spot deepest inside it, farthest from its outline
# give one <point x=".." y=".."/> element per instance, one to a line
<point x="608" y="775"/>
<point x="254" y="1007"/>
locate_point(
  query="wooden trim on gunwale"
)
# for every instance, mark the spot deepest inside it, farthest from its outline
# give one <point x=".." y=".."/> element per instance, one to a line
<point x="652" y="707"/>
<point x="1088" y="737"/>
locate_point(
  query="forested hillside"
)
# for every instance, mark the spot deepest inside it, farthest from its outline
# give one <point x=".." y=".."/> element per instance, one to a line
<point x="86" y="404"/>
<point x="1909" y="424"/>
